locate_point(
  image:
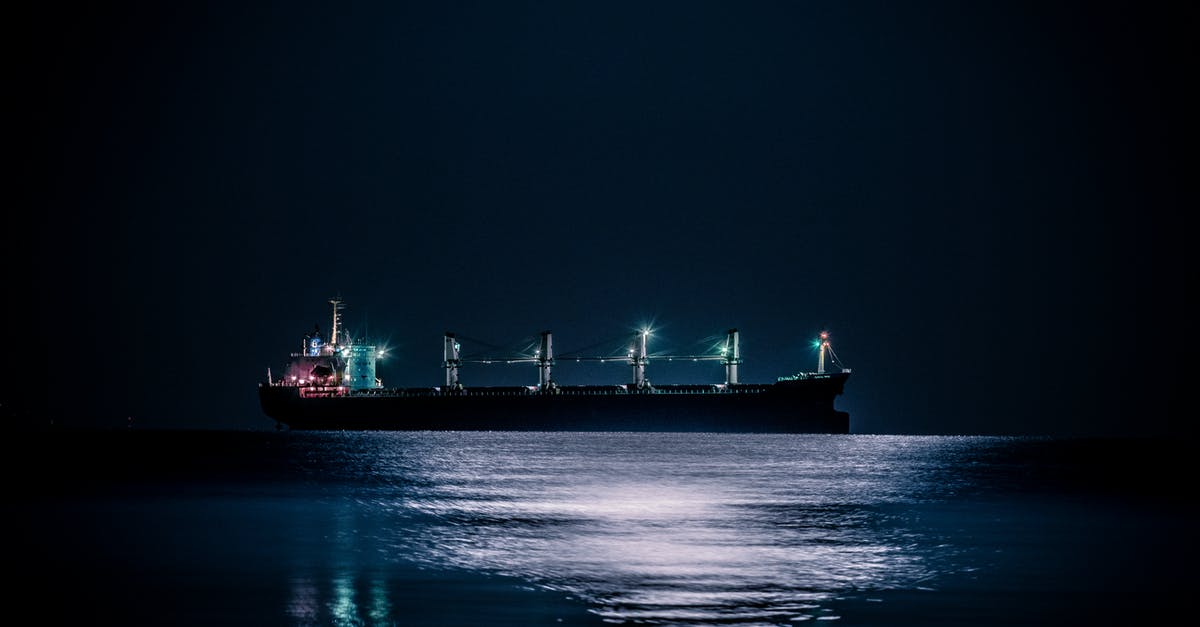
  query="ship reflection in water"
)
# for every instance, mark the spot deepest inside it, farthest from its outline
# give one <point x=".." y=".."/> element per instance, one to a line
<point x="509" y="528"/>
<point x="349" y="604"/>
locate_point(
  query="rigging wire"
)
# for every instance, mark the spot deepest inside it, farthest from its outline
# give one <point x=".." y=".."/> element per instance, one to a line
<point x="711" y="343"/>
<point x="525" y="350"/>
<point x="621" y="349"/>
<point x="521" y="347"/>
<point x="834" y="358"/>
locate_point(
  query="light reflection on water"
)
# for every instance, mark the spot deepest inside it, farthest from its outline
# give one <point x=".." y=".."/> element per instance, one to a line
<point x="660" y="527"/>
<point x="197" y="528"/>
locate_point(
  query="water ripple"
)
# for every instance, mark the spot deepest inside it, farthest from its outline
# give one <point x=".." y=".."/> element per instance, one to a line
<point x="664" y="528"/>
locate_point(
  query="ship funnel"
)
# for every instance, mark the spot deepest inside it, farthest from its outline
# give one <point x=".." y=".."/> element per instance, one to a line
<point x="545" y="360"/>
<point x="451" y="361"/>
<point x="733" y="357"/>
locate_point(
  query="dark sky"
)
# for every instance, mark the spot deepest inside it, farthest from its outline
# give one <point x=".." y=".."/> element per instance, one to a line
<point x="982" y="202"/>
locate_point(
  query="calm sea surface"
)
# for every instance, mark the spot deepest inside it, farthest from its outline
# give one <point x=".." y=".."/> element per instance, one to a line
<point x="351" y="528"/>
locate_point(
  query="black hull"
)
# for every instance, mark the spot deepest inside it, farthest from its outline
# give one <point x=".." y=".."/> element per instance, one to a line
<point x="801" y="406"/>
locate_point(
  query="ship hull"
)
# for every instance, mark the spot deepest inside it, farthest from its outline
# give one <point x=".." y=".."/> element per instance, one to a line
<point x="800" y="406"/>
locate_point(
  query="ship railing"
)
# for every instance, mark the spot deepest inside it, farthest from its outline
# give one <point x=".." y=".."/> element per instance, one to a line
<point x="597" y="390"/>
<point x="318" y="391"/>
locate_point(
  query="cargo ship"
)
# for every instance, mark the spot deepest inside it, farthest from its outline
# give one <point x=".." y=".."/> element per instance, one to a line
<point x="332" y="385"/>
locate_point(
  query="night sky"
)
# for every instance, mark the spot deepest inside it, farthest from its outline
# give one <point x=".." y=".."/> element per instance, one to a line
<point x="983" y="203"/>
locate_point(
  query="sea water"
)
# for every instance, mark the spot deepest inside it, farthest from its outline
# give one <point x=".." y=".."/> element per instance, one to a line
<point x="491" y="528"/>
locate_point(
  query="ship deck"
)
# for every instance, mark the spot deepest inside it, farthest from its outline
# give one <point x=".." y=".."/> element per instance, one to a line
<point x="566" y="390"/>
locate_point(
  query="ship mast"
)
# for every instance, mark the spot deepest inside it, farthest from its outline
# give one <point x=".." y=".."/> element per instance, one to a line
<point x="637" y="359"/>
<point x="338" y="306"/>
<point x="733" y="357"/>
<point x="821" y="356"/>
<point x="545" y="359"/>
<point x="451" y="361"/>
